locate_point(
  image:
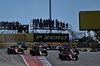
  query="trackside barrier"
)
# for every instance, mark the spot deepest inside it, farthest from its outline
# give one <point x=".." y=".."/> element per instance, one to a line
<point x="30" y="44"/>
<point x="6" y="45"/>
<point x="19" y="37"/>
<point x="83" y="44"/>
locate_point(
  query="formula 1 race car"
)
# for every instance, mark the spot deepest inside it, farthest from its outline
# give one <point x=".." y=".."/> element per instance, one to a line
<point x="50" y="47"/>
<point x="65" y="55"/>
<point x="44" y="51"/>
<point x="68" y="52"/>
<point x="22" y="45"/>
<point x="38" y="50"/>
<point x="93" y="50"/>
<point x="15" y="50"/>
<point x="70" y="48"/>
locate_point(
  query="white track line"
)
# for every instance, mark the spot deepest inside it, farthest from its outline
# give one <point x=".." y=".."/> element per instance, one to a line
<point x="24" y="60"/>
<point x="46" y="61"/>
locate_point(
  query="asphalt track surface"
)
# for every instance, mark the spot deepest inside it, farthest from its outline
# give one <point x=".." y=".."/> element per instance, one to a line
<point x="85" y="59"/>
<point x="10" y="59"/>
<point x="17" y="59"/>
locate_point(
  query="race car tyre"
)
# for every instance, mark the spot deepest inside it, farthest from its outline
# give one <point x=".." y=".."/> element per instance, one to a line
<point x="22" y="52"/>
<point x="31" y="51"/>
<point x="60" y="49"/>
<point x="46" y="54"/>
<point x="62" y="58"/>
<point x="77" y="52"/>
<point x="60" y="55"/>
<point x="75" y="58"/>
<point x="8" y="51"/>
<point x="25" y="48"/>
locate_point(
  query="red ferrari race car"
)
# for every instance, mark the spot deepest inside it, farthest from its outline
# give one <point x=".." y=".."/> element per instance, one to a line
<point x="68" y="52"/>
<point x="66" y="55"/>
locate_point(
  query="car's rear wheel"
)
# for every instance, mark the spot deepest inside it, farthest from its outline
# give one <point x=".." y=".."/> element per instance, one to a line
<point x="59" y="55"/>
<point x="8" y="51"/>
<point x="75" y="58"/>
<point x="22" y="52"/>
<point x="30" y="51"/>
<point x="25" y="47"/>
<point x="62" y="58"/>
<point x="33" y="53"/>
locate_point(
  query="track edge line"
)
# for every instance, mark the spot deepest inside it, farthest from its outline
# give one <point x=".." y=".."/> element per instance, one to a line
<point x="24" y="60"/>
<point x="47" y="61"/>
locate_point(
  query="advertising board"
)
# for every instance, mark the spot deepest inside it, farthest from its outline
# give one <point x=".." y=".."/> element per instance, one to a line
<point x="20" y="37"/>
<point x="89" y="20"/>
<point x="38" y="37"/>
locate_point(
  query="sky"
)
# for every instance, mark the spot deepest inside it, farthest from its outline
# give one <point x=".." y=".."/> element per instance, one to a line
<point x="64" y="10"/>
